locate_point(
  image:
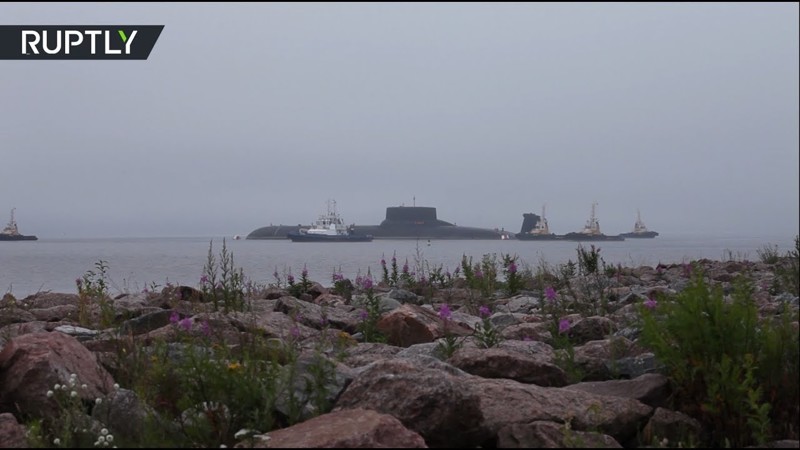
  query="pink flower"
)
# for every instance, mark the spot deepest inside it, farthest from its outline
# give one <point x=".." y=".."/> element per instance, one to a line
<point x="484" y="311"/>
<point x="563" y="326"/>
<point x="512" y="268"/>
<point x="650" y="303"/>
<point x="550" y="293"/>
<point x="203" y="279"/>
<point x="366" y="283"/>
<point x="444" y="312"/>
<point x="205" y="328"/>
<point x="174" y="317"/>
<point x="186" y="324"/>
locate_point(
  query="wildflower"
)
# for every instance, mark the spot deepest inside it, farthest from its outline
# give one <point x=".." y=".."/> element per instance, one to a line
<point x="366" y="283"/>
<point x="512" y="268"/>
<point x="363" y="314"/>
<point x="484" y="311"/>
<point x="78" y="282"/>
<point x="57" y="386"/>
<point x="550" y="293"/>
<point x="174" y="317"/>
<point x="186" y="324"/>
<point x="304" y="274"/>
<point x="290" y="279"/>
<point x="383" y="262"/>
<point x="205" y="328"/>
<point x="104" y="431"/>
<point x="478" y="274"/>
<point x="98" y="401"/>
<point x="563" y="326"/>
<point x="50" y="394"/>
<point x="204" y="279"/>
<point x="110" y="438"/>
<point x="650" y="303"/>
<point x="73" y="394"/>
<point x="295" y="332"/>
<point x="56" y="441"/>
<point x="234" y="366"/>
<point x="444" y="312"/>
<point x="116" y="386"/>
<point x="405" y="267"/>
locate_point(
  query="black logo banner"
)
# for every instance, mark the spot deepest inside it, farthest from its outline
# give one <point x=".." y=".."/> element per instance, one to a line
<point x="78" y="41"/>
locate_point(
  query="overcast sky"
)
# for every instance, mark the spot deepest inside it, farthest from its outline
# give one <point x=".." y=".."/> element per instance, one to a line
<point x="250" y="114"/>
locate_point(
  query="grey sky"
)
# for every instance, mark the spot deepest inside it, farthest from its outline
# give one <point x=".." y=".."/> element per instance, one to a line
<point x="247" y="114"/>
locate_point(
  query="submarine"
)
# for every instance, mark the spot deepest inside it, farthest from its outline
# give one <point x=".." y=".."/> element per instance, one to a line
<point x="401" y="222"/>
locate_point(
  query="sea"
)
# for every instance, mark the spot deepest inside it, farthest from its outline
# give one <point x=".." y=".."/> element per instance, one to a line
<point x="135" y="264"/>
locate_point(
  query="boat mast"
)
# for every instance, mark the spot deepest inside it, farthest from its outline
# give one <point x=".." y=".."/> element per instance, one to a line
<point x="542" y="227"/>
<point x="593" y="226"/>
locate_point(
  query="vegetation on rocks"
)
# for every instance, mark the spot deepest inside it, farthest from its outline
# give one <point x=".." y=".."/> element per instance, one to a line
<point x="492" y="354"/>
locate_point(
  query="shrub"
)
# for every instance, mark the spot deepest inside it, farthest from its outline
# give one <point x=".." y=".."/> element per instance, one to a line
<point x="731" y="370"/>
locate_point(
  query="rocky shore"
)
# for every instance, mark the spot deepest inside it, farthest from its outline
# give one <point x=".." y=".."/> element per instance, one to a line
<point x="563" y="367"/>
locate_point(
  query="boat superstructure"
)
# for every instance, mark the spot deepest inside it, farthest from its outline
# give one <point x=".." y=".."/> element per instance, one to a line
<point x="639" y="229"/>
<point x="329" y="227"/>
<point x="539" y="232"/>
<point x="591" y="231"/>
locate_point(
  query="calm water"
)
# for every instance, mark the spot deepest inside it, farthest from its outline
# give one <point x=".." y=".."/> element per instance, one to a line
<point x="134" y="263"/>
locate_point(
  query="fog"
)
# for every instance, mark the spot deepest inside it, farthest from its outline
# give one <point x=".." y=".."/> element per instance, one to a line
<point x="251" y="114"/>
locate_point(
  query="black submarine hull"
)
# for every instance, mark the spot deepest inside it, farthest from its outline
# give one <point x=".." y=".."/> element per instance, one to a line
<point x="401" y="222"/>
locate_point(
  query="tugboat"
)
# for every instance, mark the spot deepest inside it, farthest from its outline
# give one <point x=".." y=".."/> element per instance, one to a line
<point x="329" y="228"/>
<point x="639" y="230"/>
<point x="591" y="231"/>
<point x="538" y="232"/>
<point x="11" y="233"/>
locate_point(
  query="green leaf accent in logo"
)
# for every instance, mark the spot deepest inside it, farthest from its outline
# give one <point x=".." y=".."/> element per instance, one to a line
<point x="122" y="35"/>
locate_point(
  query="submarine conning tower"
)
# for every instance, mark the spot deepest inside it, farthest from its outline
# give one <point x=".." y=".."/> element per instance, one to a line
<point x="529" y="222"/>
<point x="412" y="215"/>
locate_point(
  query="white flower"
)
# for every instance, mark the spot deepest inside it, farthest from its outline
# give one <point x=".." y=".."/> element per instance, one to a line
<point x="56" y="387"/>
<point x="83" y="386"/>
<point x="98" y="400"/>
<point x="110" y="438"/>
<point x="56" y="441"/>
<point x="116" y="386"/>
<point x="73" y="394"/>
<point x="64" y="387"/>
<point x="72" y="376"/>
<point x="49" y="394"/>
<point x="104" y="431"/>
<point x="101" y="439"/>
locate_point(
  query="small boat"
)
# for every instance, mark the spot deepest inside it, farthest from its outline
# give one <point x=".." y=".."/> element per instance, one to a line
<point x="11" y="232"/>
<point x="591" y="231"/>
<point x="639" y="230"/>
<point x="539" y="232"/>
<point x="329" y="227"/>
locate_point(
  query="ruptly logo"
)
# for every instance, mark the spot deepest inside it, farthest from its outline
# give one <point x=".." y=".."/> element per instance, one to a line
<point x="78" y="41"/>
